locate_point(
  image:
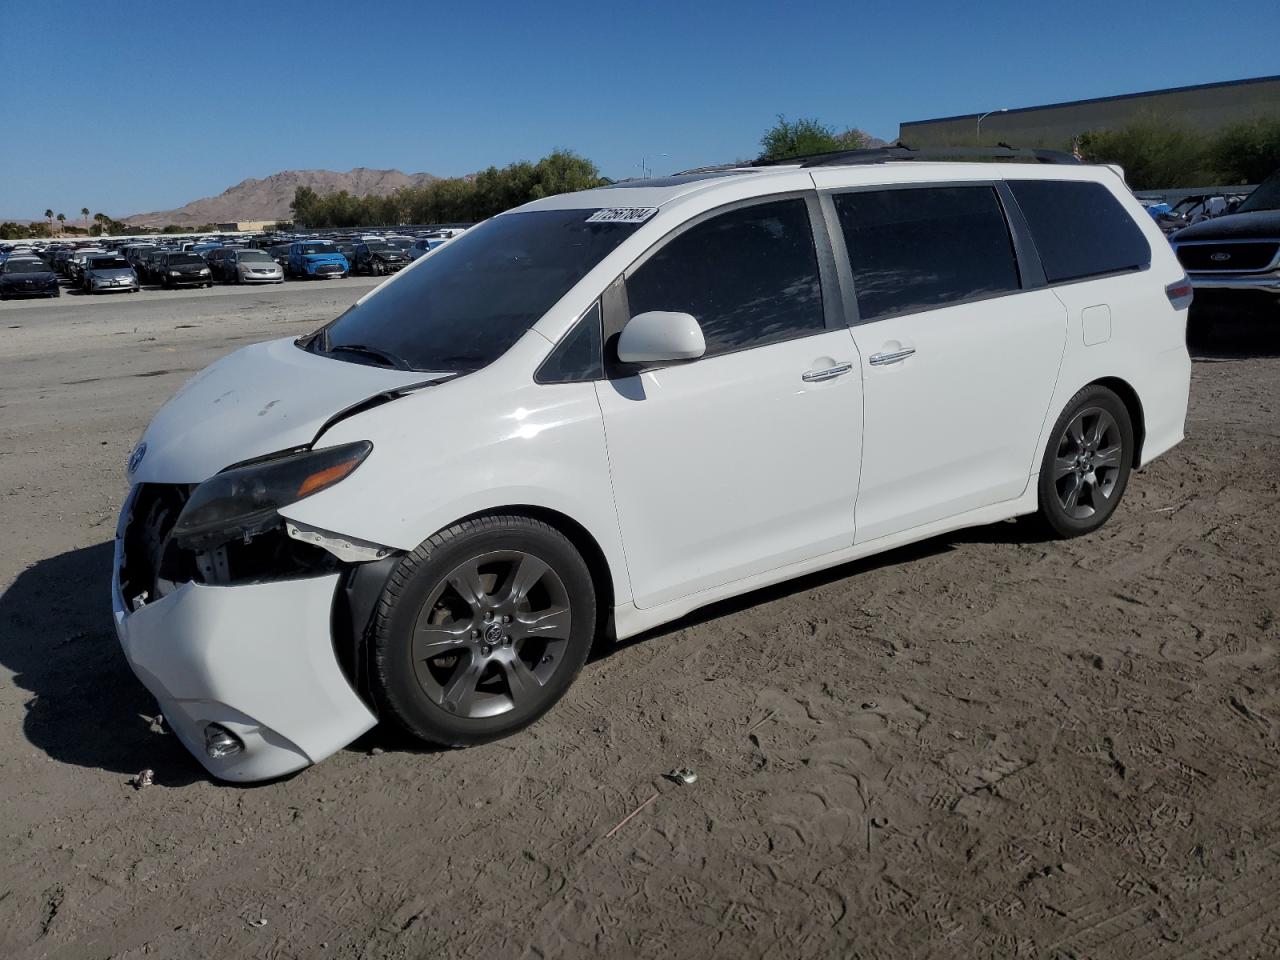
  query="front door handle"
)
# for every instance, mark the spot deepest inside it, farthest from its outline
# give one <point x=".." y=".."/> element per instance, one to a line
<point x="880" y="359"/>
<point x="830" y="373"/>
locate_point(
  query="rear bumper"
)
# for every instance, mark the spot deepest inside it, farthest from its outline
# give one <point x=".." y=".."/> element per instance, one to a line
<point x="256" y="659"/>
<point x="1165" y="394"/>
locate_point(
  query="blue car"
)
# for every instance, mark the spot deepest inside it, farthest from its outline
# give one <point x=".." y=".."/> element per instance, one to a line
<point x="316" y="258"/>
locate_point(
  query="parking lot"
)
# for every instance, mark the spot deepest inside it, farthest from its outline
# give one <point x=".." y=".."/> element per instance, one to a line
<point x="983" y="745"/>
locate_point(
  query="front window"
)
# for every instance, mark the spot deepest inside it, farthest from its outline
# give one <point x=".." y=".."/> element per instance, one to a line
<point x="254" y="256"/>
<point x="316" y="248"/>
<point x="464" y="307"/>
<point x="25" y="266"/>
<point x="109" y="263"/>
<point x="184" y="259"/>
<point x="1265" y="197"/>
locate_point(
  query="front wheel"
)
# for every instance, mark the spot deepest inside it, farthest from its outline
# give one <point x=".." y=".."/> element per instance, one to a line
<point x="482" y="629"/>
<point x="1086" y="464"/>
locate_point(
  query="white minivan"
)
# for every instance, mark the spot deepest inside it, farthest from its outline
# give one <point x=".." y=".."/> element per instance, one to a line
<point x="594" y="413"/>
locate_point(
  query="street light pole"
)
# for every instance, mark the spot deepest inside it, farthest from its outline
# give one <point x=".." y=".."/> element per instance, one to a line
<point x="984" y="116"/>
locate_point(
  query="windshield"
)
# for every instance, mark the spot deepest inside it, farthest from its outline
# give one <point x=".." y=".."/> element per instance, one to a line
<point x="253" y="256"/>
<point x="464" y="307"/>
<point x="317" y="248"/>
<point x="1265" y="197"/>
<point x="183" y="259"/>
<point x="25" y="266"/>
<point x="108" y="263"/>
<point x="377" y="246"/>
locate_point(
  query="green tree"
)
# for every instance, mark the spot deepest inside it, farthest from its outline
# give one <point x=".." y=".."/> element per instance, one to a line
<point x="1154" y="153"/>
<point x="799" y="138"/>
<point x="62" y="221"/>
<point x="1246" y="152"/>
<point x="84" y="212"/>
<point x="48" y="215"/>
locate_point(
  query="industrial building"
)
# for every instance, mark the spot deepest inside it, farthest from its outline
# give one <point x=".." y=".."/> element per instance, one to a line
<point x="1204" y="107"/>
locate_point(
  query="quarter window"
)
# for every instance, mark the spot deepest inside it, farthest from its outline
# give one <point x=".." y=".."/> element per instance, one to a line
<point x="925" y="248"/>
<point x="749" y="277"/>
<point x="1080" y="229"/>
<point x="578" y="356"/>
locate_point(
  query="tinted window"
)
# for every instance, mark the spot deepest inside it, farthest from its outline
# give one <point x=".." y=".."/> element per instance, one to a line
<point x="749" y="277"/>
<point x="578" y="355"/>
<point x="462" y="308"/>
<point x="925" y="248"/>
<point x="25" y="266"/>
<point x="1080" y="229"/>
<point x="179" y="259"/>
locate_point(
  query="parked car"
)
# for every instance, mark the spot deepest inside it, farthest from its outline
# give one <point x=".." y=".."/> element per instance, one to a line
<point x="109" y="273"/>
<point x="27" y="277"/>
<point x="253" y="266"/>
<point x="135" y="252"/>
<point x="75" y="266"/>
<point x="426" y="245"/>
<point x="149" y="267"/>
<point x="184" y="270"/>
<point x="280" y="254"/>
<point x="1237" y="252"/>
<point x="316" y="258"/>
<point x="377" y="257"/>
<point x="222" y="263"/>
<point x="594" y="413"/>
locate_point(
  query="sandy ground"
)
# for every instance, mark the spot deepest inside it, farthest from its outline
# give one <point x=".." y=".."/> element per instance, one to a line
<point x="982" y="746"/>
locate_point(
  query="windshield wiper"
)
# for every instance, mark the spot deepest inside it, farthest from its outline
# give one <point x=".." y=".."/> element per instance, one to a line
<point x="386" y="359"/>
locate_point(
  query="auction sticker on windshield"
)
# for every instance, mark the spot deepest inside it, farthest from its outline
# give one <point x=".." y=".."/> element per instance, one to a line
<point x="622" y="215"/>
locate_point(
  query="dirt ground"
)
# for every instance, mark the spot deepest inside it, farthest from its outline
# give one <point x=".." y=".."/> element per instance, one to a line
<point x="982" y="746"/>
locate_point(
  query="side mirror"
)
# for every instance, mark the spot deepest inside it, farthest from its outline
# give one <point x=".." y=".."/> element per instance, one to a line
<point x="658" y="336"/>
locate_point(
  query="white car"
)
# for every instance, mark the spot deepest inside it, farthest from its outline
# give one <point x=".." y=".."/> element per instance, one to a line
<point x="592" y="414"/>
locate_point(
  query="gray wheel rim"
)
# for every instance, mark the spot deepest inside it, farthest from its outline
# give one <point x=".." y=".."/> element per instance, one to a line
<point x="1088" y="463"/>
<point x="491" y="634"/>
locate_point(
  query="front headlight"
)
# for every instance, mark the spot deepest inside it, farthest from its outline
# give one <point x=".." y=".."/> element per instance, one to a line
<point x="174" y="273"/>
<point x="242" y="501"/>
<point x="204" y="270"/>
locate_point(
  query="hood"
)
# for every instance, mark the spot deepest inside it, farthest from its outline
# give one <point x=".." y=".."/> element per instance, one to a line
<point x="111" y="273"/>
<point x="324" y="257"/>
<point x="187" y="267"/>
<point x="42" y="276"/>
<point x="264" y="398"/>
<point x="1255" y="225"/>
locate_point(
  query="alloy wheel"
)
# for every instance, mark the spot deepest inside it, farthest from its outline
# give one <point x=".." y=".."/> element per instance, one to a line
<point x="1088" y="463"/>
<point x="491" y="634"/>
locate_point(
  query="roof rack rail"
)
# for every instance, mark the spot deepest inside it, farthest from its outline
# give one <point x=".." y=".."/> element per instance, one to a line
<point x="901" y="151"/>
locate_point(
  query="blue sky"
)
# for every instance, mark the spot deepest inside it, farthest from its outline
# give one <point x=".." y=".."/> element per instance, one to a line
<point x="129" y="107"/>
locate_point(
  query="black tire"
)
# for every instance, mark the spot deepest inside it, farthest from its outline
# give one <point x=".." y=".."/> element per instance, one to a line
<point x="473" y="679"/>
<point x="1086" y="463"/>
<point x="377" y="268"/>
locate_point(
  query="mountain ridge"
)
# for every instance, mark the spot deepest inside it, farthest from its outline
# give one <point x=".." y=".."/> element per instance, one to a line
<point x="268" y="198"/>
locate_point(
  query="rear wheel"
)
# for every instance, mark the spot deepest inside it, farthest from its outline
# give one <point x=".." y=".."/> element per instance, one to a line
<point x="1087" y="463"/>
<point x="482" y="629"/>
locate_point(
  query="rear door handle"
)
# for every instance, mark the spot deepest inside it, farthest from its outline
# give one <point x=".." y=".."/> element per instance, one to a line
<point x="830" y="373"/>
<point x="881" y="359"/>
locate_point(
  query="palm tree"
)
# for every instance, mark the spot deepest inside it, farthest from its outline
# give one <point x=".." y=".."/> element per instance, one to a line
<point x="62" y="222"/>
<point x="48" y="215"/>
<point x="84" y="212"/>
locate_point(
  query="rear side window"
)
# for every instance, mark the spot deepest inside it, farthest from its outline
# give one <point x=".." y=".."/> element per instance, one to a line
<point x="1080" y="229"/>
<point x="749" y="277"/>
<point x="921" y="249"/>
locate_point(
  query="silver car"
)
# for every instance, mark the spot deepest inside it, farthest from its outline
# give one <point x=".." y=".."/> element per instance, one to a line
<point x="109" y="273"/>
<point x="254" y="266"/>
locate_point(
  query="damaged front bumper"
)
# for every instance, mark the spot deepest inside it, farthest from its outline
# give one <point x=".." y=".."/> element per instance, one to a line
<point x="255" y="659"/>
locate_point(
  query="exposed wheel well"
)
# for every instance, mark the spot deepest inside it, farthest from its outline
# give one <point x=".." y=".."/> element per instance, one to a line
<point x="583" y="541"/>
<point x="1129" y="397"/>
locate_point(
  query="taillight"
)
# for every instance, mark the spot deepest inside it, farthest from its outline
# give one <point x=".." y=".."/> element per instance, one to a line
<point x="1180" y="293"/>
